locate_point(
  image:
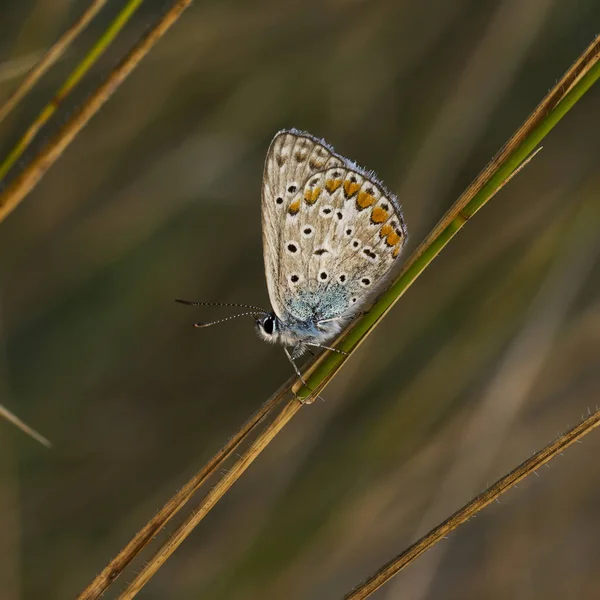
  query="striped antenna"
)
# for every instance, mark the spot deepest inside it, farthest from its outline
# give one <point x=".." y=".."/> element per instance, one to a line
<point x="209" y="323"/>
<point x="262" y="311"/>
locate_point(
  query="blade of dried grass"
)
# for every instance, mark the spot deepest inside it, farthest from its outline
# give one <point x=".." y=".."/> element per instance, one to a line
<point x="36" y="169"/>
<point x="20" y="424"/>
<point x="261" y="442"/>
<point x="74" y="78"/>
<point x="470" y="509"/>
<point x="16" y="67"/>
<point x="170" y="509"/>
<point x="50" y="57"/>
<point x="320" y="371"/>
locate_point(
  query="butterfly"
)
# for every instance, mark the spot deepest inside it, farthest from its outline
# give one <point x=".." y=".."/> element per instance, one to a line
<point x="331" y="234"/>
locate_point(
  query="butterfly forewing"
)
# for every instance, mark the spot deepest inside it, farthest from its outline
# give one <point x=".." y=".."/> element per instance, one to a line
<point x="292" y="158"/>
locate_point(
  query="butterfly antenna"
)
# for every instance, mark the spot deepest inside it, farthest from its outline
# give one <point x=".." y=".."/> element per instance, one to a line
<point x="327" y="348"/>
<point x="209" y="323"/>
<point x="262" y="311"/>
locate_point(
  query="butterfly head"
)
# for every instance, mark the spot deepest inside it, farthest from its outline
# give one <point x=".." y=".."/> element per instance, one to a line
<point x="272" y="329"/>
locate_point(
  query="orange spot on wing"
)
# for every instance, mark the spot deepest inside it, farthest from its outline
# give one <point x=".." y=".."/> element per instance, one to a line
<point x="386" y="230"/>
<point x="310" y="196"/>
<point x="392" y="239"/>
<point x="350" y="188"/>
<point x="364" y="200"/>
<point x="379" y="215"/>
<point x="332" y="184"/>
<point x="294" y="207"/>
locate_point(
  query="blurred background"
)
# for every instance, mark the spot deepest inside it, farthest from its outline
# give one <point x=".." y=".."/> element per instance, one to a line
<point x="492" y="353"/>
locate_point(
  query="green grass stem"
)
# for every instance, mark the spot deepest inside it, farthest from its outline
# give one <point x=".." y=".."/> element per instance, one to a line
<point x="74" y="78"/>
<point x="574" y="84"/>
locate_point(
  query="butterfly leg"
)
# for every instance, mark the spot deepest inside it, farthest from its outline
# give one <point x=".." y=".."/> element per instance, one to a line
<point x="290" y="358"/>
<point x="333" y="319"/>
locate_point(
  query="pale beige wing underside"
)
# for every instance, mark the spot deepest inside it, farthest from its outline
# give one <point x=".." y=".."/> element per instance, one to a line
<point x="292" y="158"/>
<point x="326" y="223"/>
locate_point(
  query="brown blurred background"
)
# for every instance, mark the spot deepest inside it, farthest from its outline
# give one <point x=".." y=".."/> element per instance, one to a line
<point x="493" y="352"/>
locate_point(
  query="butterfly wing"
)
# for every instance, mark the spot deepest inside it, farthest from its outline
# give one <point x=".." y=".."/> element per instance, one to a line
<point x="292" y="158"/>
<point x="349" y="231"/>
<point x="331" y="231"/>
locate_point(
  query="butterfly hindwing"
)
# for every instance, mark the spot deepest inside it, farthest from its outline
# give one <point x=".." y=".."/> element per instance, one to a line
<point x="350" y="230"/>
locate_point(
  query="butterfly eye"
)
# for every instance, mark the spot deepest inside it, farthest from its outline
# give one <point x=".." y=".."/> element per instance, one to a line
<point x="269" y="325"/>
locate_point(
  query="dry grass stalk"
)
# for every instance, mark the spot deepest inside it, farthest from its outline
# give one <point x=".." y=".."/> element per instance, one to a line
<point x="578" y="69"/>
<point x="36" y="169"/>
<point x="470" y="509"/>
<point x="72" y="81"/>
<point x="172" y="507"/>
<point x="50" y="57"/>
<point x="20" y="424"/>
<point x="261" y="442"/>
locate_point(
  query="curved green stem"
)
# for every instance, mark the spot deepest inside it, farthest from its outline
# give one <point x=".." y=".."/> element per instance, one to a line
<point x="563" y="96"/>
